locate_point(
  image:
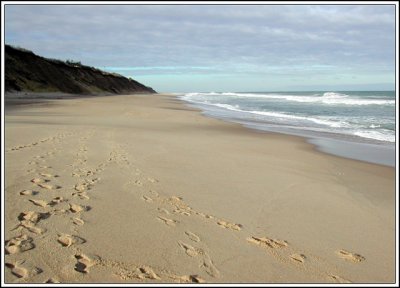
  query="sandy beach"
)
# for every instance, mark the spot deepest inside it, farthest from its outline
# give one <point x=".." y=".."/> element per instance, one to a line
<point x="144" y="189"/>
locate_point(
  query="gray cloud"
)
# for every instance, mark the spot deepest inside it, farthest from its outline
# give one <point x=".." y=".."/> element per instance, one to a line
<point x="225" y="38"/>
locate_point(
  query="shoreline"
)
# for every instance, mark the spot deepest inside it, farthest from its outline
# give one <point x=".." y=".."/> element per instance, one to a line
<point x="324" y="142"/>
<point x="144" y="189"/>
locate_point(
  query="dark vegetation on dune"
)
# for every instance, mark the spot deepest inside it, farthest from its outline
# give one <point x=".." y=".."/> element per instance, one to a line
<point x="27" y="72"/>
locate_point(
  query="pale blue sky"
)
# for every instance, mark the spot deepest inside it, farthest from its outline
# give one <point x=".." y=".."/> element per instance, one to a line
<point x="186" y="48"/>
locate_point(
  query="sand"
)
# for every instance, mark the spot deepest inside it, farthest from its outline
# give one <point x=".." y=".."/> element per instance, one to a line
<point x="143" y="189"/>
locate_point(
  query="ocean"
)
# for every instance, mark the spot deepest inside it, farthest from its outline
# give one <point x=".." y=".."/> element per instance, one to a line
<point x="353" y="117"/>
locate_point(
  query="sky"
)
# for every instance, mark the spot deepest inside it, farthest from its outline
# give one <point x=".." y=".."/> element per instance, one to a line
<point x="229" y="48"/>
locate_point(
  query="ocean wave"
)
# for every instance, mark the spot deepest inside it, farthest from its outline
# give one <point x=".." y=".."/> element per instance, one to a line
<point x="367" y="126"/>
<point x="279" y="115"/>
<point x="328" y="98"/>
<point x="376" y="135"/>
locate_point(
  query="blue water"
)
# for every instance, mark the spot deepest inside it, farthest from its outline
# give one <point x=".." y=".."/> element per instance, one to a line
<point x="367" y="117"/>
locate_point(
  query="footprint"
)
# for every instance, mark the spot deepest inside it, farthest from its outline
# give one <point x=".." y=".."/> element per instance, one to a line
<point x="12" y="249"/>
<point x="350" y="256"/>
<point x="80" y="187"/>
<point x="81" y="195"/>
<point x="56" y="200"/>
<point x="19" y="244"/>
<point x="187" y="279"/>
<point x="138" y="183"/>
<point x="169" y="222"/>
<point x="94" y="180"/>
<point x="78" y="221"/>
<point x="58" y="211"/>
<point x="52" y="280"/>
<point x="17" y="270"/>
<point x="228" y="225"/>
<point x="39" y="180"/>
<point x="23" y="272"/>
<point x="29" y="216"/>
<point x="48" y="175"/>
<point x="48" y="186"/>
<point x="338" y="279"/>
<point x="40" y="203"/>
<point x="175" y="199"/>
<point x="147" y="272"/>
<point x="84" y="263"/>
<point x="181" y="211"/>
<point x="180" y="206"/>
<point x="32" y="216"/>
<point x="152" y="180"/>
<point x="32" y="228"/>
<point x="298" y="257"/>
<point x="67" y="240"/>
<point x="163" y="210"/>
<point x="267" y="242"/>
<point x="205" y="215"/>
<point x="28" y="192"/>
<point x="192" y="236"/>
<point x="154" y="193"/>
<point x="189" y="250"/>
<point x="139" y="273"/>
<point x="75" y="208"/>
<point x="209" y="267"/>
<point x="147" y="199"/>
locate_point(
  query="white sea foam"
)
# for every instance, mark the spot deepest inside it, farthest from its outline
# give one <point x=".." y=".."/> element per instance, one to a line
<point x="376" y="135"/>
<point x="245" y="107"/>
<point x="329" y="98"/>
<point x="277" y="115"/>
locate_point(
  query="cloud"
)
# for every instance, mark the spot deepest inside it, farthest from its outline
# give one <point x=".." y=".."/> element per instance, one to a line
<point x="161" y="70"/>
<point x="224" y="38"/>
